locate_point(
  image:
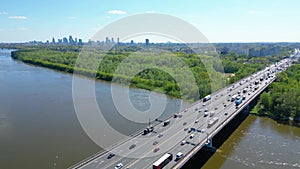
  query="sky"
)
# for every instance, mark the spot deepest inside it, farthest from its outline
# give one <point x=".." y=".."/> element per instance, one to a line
<point x="218" y="20"/>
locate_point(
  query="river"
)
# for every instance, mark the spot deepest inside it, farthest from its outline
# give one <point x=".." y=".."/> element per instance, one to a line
<point x="39" y="127"/>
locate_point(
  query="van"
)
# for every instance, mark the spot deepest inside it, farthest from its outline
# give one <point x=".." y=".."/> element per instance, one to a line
<point x="179" y="155"/>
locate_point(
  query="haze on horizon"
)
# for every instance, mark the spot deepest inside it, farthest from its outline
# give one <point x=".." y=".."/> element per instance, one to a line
<point x="228" y="21"/>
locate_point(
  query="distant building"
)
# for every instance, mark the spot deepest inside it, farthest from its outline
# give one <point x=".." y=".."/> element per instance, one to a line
<point x="65" y="40"/>
<point x="147" y="41"/>
<point x="71" y="41"/>
<point x="132" y="42"/>
<point x="107" y="40"/>
<point x="80" y="42"/>
<point x="53" y="40"/>
<point x="118" y="40"/>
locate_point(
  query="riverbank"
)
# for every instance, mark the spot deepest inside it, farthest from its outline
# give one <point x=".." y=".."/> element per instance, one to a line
<point x="281" y="100"/>
<point x="149" y="76"/>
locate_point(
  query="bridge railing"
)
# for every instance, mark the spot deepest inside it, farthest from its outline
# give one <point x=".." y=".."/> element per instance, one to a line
<point x="220" y="126"/>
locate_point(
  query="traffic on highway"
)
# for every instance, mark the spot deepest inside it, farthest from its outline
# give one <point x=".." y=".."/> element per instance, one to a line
<point x="170" y="143"/>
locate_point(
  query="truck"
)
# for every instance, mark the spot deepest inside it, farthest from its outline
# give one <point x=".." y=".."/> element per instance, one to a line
<point x="166" y="122"/>
<point x="148" y="130"/>
<point x="206" y="98"/>
<point x="212" y="122"/>
<point x="238" y="101"/>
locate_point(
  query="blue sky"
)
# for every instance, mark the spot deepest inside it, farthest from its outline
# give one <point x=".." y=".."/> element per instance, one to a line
<point x="218" y="20"/>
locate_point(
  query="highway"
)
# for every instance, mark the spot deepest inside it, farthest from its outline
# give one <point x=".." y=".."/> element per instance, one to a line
<point x="146" y="149"/>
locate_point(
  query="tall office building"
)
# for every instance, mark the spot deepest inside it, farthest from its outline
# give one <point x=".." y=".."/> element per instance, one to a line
<point x="65" y="40"/>
<point x="147" y="41"/>
<point x="71" y="41"/>
<point x="53" y="40"/>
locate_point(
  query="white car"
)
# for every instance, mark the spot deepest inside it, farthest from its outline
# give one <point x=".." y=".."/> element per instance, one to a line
<point x="179" y="155"/>
<point x="183" y="142"/>
<point x="118" y="166"/>
<point x="206" y="114"/>
<point x="192" y="136"/>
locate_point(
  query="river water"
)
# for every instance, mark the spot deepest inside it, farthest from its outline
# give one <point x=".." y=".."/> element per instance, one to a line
<point x="39" y="127"/>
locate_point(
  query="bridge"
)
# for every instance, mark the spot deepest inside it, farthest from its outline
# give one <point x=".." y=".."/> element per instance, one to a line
<point x="188" y="131"/>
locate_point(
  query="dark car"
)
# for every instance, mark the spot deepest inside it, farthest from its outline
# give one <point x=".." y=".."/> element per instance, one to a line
<point x="132" y="146"/>
<point x="155" y="142"/>
<point x="156" y="149"/>
<point x="110" y="155"/>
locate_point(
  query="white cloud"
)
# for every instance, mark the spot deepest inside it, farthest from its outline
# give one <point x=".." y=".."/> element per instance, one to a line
<point x="17" y="17"/>
<point x="3" y="13"/>
<point x="117" y="12"/>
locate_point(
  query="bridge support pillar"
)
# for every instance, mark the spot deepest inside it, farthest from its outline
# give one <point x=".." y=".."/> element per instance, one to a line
<point x="208" y="143"/>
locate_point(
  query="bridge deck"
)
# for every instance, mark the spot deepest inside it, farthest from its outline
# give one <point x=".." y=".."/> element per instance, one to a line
<point x="143" y="155"/>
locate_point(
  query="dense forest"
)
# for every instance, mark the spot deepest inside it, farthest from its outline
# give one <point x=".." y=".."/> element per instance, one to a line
<point x="281" y="101"/>
<point x="180" y="74"/>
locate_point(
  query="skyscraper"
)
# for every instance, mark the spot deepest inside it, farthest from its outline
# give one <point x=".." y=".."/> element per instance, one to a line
<point x="71" y="41"/>
<point x="53" y="40"/>
<point x="147" y="41"/>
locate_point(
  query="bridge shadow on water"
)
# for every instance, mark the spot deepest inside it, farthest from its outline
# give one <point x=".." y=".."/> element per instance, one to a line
<point x="203" y="155"/>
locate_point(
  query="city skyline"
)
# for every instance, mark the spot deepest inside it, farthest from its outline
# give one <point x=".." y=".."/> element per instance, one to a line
<point x="230" y="21"/>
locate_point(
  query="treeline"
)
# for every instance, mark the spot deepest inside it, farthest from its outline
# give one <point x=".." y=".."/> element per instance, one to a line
<point x="281" y="101"/>
<point x="183" y="75"/>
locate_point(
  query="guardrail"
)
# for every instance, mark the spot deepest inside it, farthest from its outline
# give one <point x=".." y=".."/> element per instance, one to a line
<point x="192" y="152"/>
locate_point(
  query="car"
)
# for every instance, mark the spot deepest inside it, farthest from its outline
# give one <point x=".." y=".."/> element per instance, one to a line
<point x="206" y="110"/>
<point x="156" y="149"/>
<point x="183" y="142"/>
<point x="184" y="123"/>
<point x="155" y="142"/>
<point x="202" y="130"/>
<point x="111" y="155"/>
<point x="206" y="114"/>
<point x="196" y="121"/>
<point x="119" y="166"/>
<point x="179" y="155"/>
<point x="203" y="104"/>
<point x="192" y="136"/>
<point x="185" y="129"/>
<point x="199" y="111"/>
<point x="132" y="146"/>
<point x="216" y="108"/>
<point x="224" y="105"/>
<point x="226" y="113"/>
<point x="160" y="135"/>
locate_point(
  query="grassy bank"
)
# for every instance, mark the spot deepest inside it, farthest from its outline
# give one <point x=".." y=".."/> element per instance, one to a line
<point x="281" y="101"/>
<point x="169" y="73"/>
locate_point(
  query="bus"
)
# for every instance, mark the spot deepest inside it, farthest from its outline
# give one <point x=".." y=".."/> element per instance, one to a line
<point x="212" y="122"/>
<point x="163" y="161"/>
